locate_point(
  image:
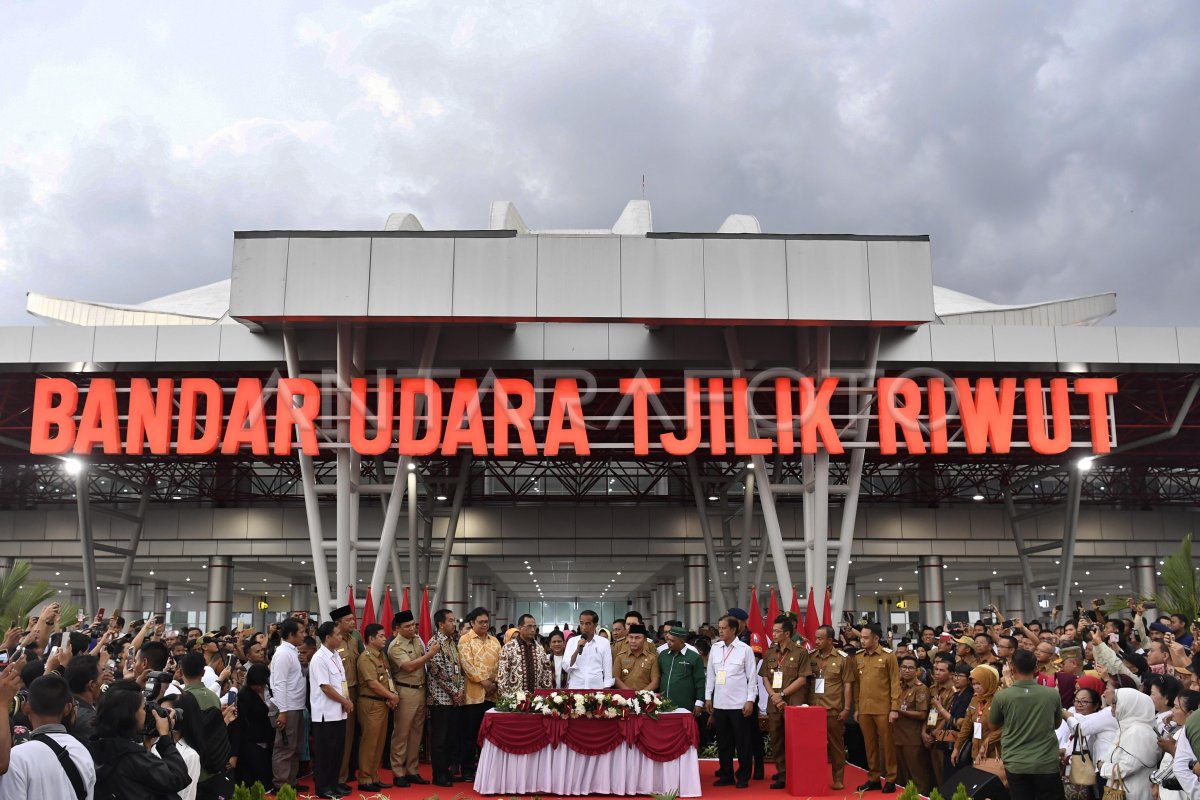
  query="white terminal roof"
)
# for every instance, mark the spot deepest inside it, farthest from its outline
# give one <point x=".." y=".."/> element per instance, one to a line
<point x="209" y="304"/>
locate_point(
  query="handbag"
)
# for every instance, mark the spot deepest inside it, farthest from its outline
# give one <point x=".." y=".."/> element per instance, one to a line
<point x="995" y="766"/>
<point x="1115" y="788"/>
<point x="1083" y="767"/>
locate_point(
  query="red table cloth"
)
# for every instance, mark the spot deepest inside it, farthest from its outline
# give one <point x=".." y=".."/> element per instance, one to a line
<point x="663" y="739"/>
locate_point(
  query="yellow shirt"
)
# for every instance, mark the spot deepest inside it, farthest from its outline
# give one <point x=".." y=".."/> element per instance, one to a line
<point x="480" y="658"/>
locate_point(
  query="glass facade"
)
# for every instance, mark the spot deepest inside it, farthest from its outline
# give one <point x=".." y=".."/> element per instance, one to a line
<point x="553" y="613"/>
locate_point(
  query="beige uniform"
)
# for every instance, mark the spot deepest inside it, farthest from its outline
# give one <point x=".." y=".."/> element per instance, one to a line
<point x="372" y="713"/>
<point x="832" y="674"/>
<point x="781" y="666"/>
<point x="351" y="649"/>
<point x="410" y="714"/>
<point x="636" y="672"/>
<point x="876" y="696"/>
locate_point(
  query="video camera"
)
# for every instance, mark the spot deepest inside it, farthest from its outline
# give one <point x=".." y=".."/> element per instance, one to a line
<point x="150" y="730"/>
<point x="156" y="682"/>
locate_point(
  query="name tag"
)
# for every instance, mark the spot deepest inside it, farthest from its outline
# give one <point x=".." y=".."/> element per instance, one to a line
<point x="345" y="690"/>
<point x="720" y="677"/>
<point x="932" y="719"/>
<point x="391" y="684"/>
<point x="777" y="679"/>
<point x="819" y="686"/>
<point x="978" y="730"/>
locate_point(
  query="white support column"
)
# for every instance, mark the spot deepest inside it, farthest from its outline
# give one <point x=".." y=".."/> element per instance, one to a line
<point x="985" y="594"/>
<point x="78" y="598"/>
<point x="932" y="601"/>
<point x="1145" y="582"/>
<point x="1014" y="597"/>
<point x="455" y="597"/>
<point x="219" y="607"/>
<point x="135" y="540"/>
<point x="714" y="568"/>
<point x="644" y="604"/>
<point x="696" y="595"/>
<point x="160" y="598"/>
<point x="743" y="564"/>
<point x="347" y="557"/>
<point x="464" y="474"/>
<point x="666" y="601"/>
<point x="87" y="545"/>
<point x="413" y="528"/>
<point x="387" y="555"/>
<point x="312" y="504"/>
<point x="132" y="607"/>
<point x="302" y="599"/>
<point x="819" y="555"/>
<point x="503" y="611"/>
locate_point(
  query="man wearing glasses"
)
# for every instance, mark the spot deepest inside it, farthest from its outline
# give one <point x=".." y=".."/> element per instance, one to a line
<point x="480" y="656"/>
<point x="445" y="698"/>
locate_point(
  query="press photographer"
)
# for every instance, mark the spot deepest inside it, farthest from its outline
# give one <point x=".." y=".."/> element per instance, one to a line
<point x="128" y="728"/>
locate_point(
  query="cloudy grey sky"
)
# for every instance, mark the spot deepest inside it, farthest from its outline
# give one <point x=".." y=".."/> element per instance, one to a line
<point x="1049" y="149"/>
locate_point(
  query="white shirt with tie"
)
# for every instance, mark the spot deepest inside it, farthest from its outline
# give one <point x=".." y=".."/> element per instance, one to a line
<point x="593" y="668"/>
<point x="732" y="680"/>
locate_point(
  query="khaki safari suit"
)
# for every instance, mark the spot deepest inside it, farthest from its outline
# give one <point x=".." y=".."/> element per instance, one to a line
<point x="372" y="714"/>
<point x="945" y="695"/>
<point x="792" y="662"/>
<point x="912" y="759"/>
<point x="837" y="670"/>
<point x="876" y="695"/>
<point x="351" y="649"/>
<point x="636" y="672"/>
<point x="410" y="714"/>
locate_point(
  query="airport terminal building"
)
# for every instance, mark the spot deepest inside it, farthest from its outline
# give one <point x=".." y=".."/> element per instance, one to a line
<point x="554" y="420"/>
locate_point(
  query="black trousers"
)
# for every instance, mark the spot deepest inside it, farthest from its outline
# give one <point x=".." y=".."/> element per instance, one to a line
<point x="446" y="743"/>
<point x="329" y="740"/>
<point x="734" y="734"/>
<point x="472" y="719"/>
<point x="1035" y="786"/>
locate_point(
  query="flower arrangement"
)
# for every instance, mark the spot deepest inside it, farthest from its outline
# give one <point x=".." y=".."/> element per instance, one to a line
<point x="582" y="705"/>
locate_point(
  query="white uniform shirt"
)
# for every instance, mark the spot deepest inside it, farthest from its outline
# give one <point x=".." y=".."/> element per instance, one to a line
<point x="34" y="771"/>
<point x="662" y="648"/>
<point x="287" y="679"/>
<point x="593" y="668"/>
<point x="740" y="683"/>
<point x="325" y="668"/>
<point x="192" y="759"/>
<point x="209" y="679"/>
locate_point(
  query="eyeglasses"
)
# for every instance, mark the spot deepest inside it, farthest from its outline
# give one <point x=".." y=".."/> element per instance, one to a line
<point x="1083" y="702"/>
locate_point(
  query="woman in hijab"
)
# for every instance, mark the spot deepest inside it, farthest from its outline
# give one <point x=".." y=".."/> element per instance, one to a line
<point x="1136" y="753"/>
<point x="251" y="733"/>
<point x="974" y="727"/>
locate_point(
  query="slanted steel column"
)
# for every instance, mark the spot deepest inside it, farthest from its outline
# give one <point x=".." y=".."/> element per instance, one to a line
<point x="743" y="564"/>
<point x="312" y="504"/>
<point x="1066" y="573"/>
<point x="414" y="585"/>
<point x="1014" y="597"/>
<point x="347" y="557"/>
<point x="86" y="542"/>
<point x="460" y="488"/>
<point x="387" y="555"/>
<point x="219" y="608"/>
<point x="455" y="597"/>
<point x="932" y="600"/>
<point x="862" y="403"/>
<point x="819" y="555"/>
<point x="714" y="568"/>
<point x="135" y="540"/>
<point x="696" y="594"/>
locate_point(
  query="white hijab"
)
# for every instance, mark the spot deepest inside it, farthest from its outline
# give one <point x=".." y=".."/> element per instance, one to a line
<point x="1135" y="719"/>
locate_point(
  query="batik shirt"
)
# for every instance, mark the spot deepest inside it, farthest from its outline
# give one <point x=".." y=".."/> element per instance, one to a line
<point x="445" y="672"/>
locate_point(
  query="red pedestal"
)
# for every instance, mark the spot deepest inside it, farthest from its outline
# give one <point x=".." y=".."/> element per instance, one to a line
<point x="808" y="771"/>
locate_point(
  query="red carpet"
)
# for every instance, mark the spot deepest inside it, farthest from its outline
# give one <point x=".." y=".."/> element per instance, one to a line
<point x="758" y="789"/>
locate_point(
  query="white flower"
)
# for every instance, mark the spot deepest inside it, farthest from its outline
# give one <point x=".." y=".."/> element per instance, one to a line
<point x="610" y="713"/>
<point x="520" y="697"/>
<point x="547" y="711"/>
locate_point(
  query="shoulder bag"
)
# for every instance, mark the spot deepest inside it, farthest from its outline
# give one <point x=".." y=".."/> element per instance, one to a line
<point x="995" y="765"/>
<point x="64" y="760"/>
<point x="1083" y="766"/>
<point x="1115" y="788"/>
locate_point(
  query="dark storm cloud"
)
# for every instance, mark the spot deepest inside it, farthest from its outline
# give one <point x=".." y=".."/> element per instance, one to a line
<point x="1047" y="148"/>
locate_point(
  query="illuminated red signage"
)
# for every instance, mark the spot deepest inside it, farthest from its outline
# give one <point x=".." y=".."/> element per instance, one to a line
<point x="422" y="417"/>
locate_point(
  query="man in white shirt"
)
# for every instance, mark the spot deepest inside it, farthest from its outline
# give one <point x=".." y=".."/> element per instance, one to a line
<point x="731" y="697"/>
<point x="34" y="770"/>
<point x="329" y="697"/>
<point x="288" y="693"/>
<point x="588" y="657"/>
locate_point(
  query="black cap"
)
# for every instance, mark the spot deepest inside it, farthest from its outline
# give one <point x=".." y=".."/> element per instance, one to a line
<point x="401" y="618"/>
<point x="338" y="613"/>
<point x="635" y="628"/>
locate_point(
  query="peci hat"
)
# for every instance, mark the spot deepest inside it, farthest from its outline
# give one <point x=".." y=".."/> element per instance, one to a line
<point x="338" y="613"/>
<point x="402" y="617"/>
<point x="636" y="628"/>
<point x="1159" y="627"/>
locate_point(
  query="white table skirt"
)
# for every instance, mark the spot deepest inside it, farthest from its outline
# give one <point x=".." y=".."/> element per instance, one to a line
<point x="562" y="771"/>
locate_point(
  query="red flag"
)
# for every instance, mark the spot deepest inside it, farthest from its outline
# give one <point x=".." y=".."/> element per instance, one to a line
<point x="368" y="617"/>
<point x="755" y="622"/>
<point x="386" y="613"/>
<point x="796" y="608"/>
<point x="810" y="617"/>
<point x="772" y="612"/>
<point x="404" y="602"/>
<point x="827" y="615"/>
<point x="350" y="601"/>
<point x="425" y="624"/>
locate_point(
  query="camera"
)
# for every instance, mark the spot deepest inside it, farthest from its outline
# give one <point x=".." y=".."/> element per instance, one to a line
<point x="115" y="647"/>
<point x="156" y="682"/>
<point x="150" y="730"/>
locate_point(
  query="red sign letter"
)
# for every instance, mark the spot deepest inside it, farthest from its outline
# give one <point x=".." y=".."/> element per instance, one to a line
<point x="47" y="412"/>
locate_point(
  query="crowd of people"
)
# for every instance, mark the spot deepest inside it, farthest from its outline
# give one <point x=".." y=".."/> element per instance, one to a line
<point x="116" y="710"/>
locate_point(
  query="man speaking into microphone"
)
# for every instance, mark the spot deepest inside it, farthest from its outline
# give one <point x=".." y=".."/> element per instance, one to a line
<point x="588" y="658"/>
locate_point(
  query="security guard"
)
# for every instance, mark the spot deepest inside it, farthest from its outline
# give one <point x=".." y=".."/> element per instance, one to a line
<point x="877" y="707"/>
<point x="832" y="689"/>
<point x="351" y="649"/>
<point x="407" y="657"/>
<point x="784" y="672"/>
<point x="378" y="696"/>
<point x="637" y="666"/>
